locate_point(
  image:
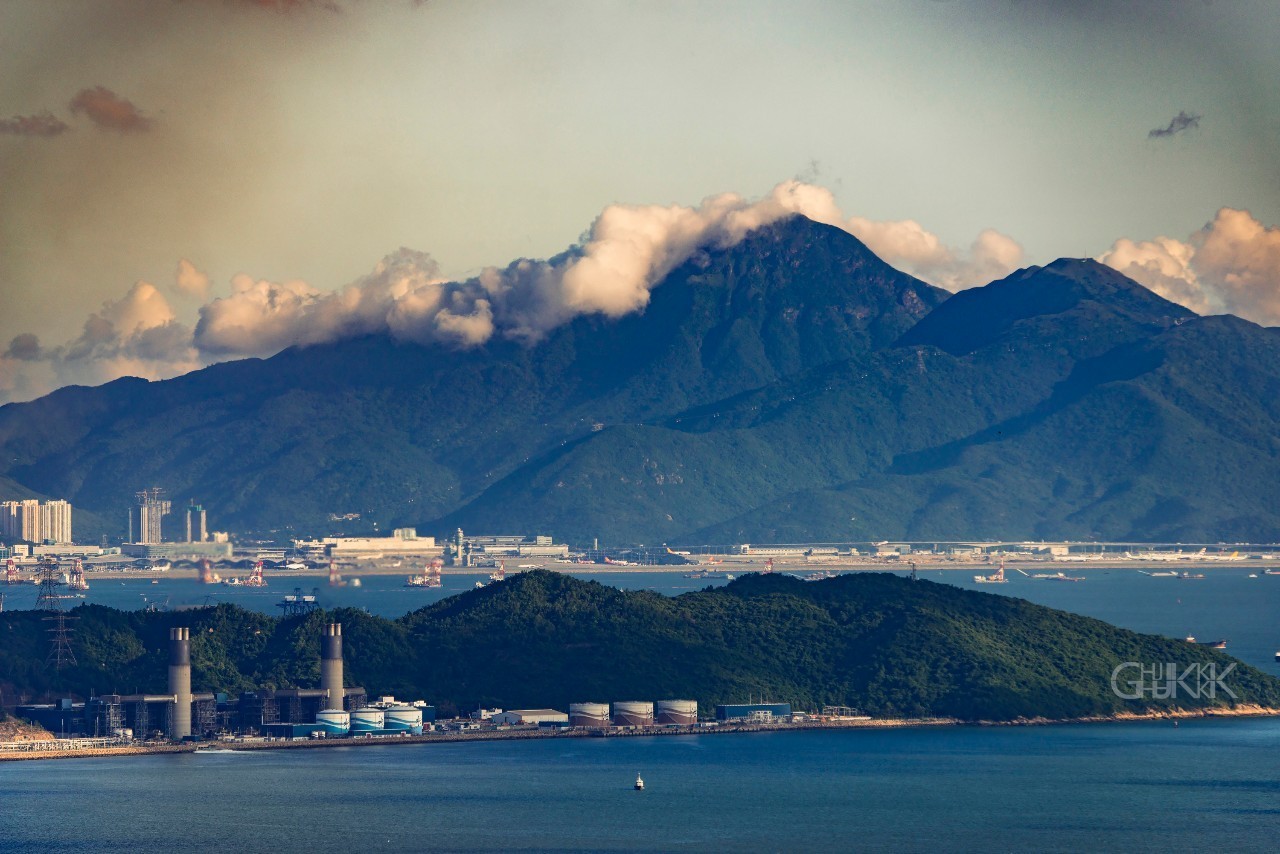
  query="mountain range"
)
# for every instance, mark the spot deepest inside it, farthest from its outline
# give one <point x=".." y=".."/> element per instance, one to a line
<point x="792" y="387"/>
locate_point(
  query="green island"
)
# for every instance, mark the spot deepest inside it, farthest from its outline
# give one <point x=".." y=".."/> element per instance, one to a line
<point x="885" y="645"/>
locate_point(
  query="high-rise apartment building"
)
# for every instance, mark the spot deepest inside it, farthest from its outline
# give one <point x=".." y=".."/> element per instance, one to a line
<point x="36" y="522"/>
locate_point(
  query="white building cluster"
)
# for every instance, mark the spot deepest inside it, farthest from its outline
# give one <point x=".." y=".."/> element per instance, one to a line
<point x="36" y="521"/>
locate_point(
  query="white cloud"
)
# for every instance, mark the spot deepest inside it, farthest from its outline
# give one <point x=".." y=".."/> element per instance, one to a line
<point x="1231" y="265"/>
<point x="626" y="252"/>
<point x="908" y="246"/>
<point x="190" y="281"/>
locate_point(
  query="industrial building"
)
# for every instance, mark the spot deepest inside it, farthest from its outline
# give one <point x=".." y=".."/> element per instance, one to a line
<point x="754" y="712"/>
<point x="403" y="542"/>
<point x="465" y="550"/>
<point x="526" y="717"/>
<point x="331" y="709"/>
<point x="214" y="550"/>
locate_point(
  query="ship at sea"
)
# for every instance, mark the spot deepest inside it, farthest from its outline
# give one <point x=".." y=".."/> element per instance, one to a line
<point x="428" y="579"/>
<point x="77" y="581"/>
<point x="996" y="577"/>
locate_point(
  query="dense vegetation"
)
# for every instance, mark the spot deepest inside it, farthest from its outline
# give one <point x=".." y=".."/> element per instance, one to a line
<point x="878" y="642"/>
<point x="790" y="388"/>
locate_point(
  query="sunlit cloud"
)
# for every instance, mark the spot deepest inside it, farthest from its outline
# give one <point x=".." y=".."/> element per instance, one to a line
<point x="625" y="254"/>
<point x="1231" y="265"/>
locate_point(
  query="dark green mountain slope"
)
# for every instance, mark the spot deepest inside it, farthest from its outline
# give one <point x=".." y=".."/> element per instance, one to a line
<point x="404" y="434"/>
<point x="1061" y="402"/>
<point x="790" y="388"/>
<point x="877" y="642"/>
<point x="1167" y="437"/>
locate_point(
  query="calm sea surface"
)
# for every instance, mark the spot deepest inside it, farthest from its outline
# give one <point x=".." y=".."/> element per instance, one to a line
<point x="1203" y="786"/>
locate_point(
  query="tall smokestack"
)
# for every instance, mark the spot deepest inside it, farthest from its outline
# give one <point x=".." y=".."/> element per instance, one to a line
<point x="331" y="666"/>
<point x="180" y="681"/>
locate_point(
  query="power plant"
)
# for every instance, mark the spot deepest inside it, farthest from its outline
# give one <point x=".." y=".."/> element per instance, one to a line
<point x="328" y="711"/>
<point x="331" y="710"/>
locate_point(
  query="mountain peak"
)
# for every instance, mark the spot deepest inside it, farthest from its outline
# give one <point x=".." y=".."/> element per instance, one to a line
<point x="1068" y="290"/>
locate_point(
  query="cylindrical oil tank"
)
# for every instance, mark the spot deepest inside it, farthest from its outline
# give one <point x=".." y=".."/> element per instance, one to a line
<point x="403" y="719"/>
<point x="331" y="722"/>
<point x="675" y="712"/>
<point x="589" y="714"/>
<point x="367" y="720"/>
<point x="633" y="713"/>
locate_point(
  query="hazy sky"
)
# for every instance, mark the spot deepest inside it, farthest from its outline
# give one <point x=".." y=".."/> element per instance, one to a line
<point x="295" y="145"/>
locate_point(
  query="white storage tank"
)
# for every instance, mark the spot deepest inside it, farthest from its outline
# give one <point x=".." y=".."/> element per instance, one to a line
<point x="367" y="720"/>
<point x="402" y="718"/>
<point x="589" y="714"/>
<point x="633" y="713"/>
<point x="676" y="712"/>
<point x="332" y="722"/>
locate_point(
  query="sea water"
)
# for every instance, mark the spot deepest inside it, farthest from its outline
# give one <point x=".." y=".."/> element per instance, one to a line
<point x="1204" y="785"/>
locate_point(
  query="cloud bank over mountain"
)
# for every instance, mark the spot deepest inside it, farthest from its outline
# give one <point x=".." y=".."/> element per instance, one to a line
<point x="625" y="253"/>
<point x="1231" y="265"/>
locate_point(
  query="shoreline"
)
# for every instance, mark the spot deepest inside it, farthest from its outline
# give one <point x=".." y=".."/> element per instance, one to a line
<point x="731" y="564"/>
<point x="237" y="746"/>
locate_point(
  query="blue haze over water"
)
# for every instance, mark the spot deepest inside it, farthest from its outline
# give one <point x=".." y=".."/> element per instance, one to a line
<point x="1150" y="786"/>
<point x="1205" y="785"/>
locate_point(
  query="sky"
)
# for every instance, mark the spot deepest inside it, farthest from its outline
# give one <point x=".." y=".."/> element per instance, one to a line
<point x="190" y="181"/>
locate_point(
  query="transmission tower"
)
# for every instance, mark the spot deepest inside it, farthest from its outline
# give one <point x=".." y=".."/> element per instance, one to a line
<point x="50" y="578"/>
<point x="49" y="599"/>
<point x="60" y="654"/>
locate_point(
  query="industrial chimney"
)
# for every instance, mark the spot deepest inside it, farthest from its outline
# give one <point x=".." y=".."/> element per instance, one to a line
<point x="180" y="682"/>
<point x="331" y="666"/>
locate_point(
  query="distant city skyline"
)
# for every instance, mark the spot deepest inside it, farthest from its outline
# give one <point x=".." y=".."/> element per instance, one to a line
<point x="184" y="183"/>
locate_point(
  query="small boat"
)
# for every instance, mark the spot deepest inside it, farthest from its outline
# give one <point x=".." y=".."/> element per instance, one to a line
<point x="639" y="784"/>
<point x="1188" y="575"/>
